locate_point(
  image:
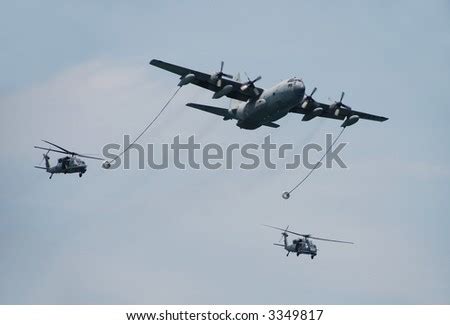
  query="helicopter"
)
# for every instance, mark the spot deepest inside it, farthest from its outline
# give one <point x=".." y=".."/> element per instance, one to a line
<point x="70" y="164"/>
<point x="301" y="245"/>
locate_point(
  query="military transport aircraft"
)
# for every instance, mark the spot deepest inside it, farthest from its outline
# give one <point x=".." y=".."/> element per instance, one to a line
<point x="263" y="106"/>
<point x="70" y="164"/>
<point x="302" y="245"/>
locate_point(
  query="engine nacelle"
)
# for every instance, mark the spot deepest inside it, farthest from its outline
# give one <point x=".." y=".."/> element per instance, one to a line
<point x="317" y="111"/>
<point x="186" y="79"/>
<point x="223" y="92"/>
<point x="350" y="120"/>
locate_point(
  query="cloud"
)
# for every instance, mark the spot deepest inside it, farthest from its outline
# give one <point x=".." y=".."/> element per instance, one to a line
<point x="194" y="236"/>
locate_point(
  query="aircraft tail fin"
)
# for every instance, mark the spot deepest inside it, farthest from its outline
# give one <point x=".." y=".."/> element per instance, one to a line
<point x="47" y="159"/>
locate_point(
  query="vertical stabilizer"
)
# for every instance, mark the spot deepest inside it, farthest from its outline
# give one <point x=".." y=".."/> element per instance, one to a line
<point x="47" y="161"/>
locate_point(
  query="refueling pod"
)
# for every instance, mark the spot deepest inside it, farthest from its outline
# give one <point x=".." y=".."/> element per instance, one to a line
<point x="223" y="92"/>
<point x="186" y="79"/>
<point x="350" y="120"/>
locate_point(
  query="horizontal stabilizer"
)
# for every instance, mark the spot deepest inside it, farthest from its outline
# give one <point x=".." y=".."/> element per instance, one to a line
<point x="278" y="244"/>
<point x="212" y="109"/>
<point x="272" y="125"/>
<point x="40" y="167"/>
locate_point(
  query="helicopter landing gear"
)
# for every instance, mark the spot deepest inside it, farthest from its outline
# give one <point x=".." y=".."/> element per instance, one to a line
<point x="312" y="257"/>
<point x="50" y="176"/>
<point x="80" y="174"/>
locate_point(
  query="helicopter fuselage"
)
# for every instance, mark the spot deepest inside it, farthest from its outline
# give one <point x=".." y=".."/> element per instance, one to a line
<point x="273" y="104"/>
<point x="67" y="165"/>
<point x="300" y="246"/>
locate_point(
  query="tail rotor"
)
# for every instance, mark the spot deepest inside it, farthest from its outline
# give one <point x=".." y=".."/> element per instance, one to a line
<point x="45" y="157"/>
<point x="284" y="234"/>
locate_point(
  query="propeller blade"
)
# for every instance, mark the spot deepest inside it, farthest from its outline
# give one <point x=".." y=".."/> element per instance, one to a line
<point x="221" y="66"/>
<point x="250" y="83"/>
<point x="342" y="97"/>
<point x="346" y="106"/>
<point x="312" y="93"/>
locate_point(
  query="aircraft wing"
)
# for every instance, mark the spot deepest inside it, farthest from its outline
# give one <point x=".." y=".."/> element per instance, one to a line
<point x="204" y="80"/>
<point x="338" y="114"/>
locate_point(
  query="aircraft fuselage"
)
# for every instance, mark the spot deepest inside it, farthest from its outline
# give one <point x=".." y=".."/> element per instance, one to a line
<point x="273" y="104"/>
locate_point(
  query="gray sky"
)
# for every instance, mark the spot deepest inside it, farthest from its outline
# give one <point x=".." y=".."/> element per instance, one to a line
<point x="78" y="74"/>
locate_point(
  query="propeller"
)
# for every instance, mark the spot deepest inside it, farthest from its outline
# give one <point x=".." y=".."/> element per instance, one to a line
<point x="339" y="104"/>
<point x="251" y="84"/>
<point x="308" y="100"/>
<point x="218" y="75"/>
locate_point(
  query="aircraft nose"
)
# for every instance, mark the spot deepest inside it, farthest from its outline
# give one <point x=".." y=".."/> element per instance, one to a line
<point x="299" y="88"/>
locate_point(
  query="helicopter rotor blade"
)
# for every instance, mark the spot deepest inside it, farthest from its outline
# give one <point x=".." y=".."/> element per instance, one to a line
<point x="67" y="152"/>
<point x="90" y="157"/>
<point x="50" y="149"/>
<point x="331" y="240"/>
<point x="288" y="231"/>
<point x="309" y="236"/>
<point x="59" y="147"/>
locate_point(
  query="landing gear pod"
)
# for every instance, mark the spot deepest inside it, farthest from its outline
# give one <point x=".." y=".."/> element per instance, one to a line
<point x="285" y="195"/>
